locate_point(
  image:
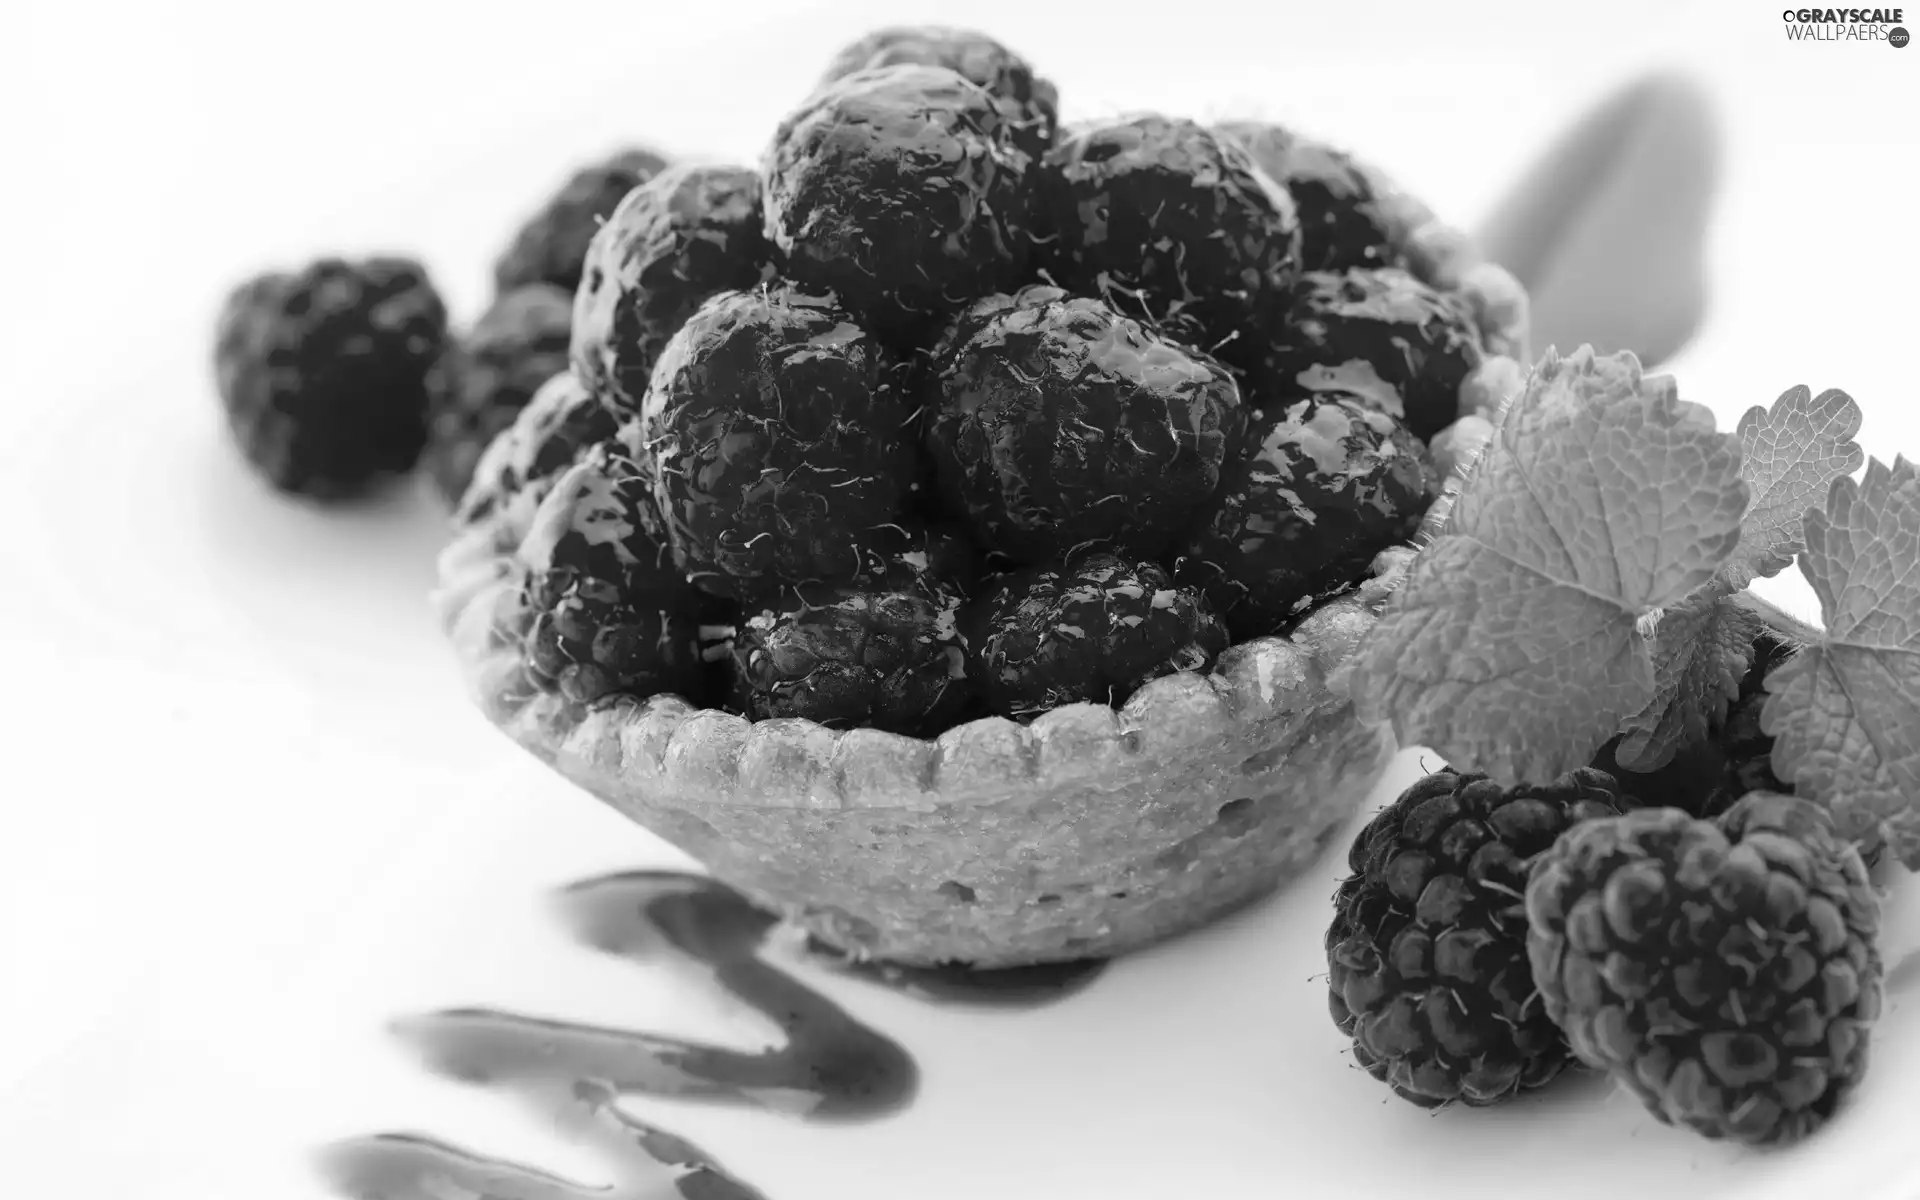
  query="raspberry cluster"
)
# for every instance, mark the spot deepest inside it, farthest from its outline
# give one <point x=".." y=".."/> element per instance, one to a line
<point x="940" y="409"/>
<point x="1712" y="945"/>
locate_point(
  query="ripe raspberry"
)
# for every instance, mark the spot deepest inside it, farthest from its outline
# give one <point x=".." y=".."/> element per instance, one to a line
<point x="684" y="235"/>
<point x="1726" y="974"/>
<point x="515" y="347"/>
<point x="547" y="436"/>
<point x="1031" y="101"/>
<point x="550" y="246"/>
<point x="1380" y="334"/>
<point x="326" y="374"/>
<point x="1161" y="215"/>
<point x="1427" y="953"/>
<point x="1340" y="223"/>
<point x="775" y="433"/>
<point x="884" y="651"/>
<point x="1055" y="422"/>
<point x="1310" y="494"/>
<point x="904" y="191"/>
<point x="1094" y="628"/>
<point x="609" y="613"/>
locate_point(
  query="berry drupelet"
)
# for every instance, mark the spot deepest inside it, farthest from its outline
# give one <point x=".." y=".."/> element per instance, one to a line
<point x="327" y="374"/>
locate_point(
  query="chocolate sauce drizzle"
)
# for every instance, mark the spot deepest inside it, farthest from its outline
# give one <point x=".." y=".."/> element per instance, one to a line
<point x="828" y="1067"/>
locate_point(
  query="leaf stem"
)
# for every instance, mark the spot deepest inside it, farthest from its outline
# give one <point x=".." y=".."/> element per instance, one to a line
<point x="1779" y="619"/>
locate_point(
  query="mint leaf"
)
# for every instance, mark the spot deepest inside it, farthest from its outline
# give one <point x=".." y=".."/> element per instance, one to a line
<point x="1702" y="648"/>
<point x="1845" y="711"/>
<point x="1516" y="645"/>
<point x="1790" y="453"/>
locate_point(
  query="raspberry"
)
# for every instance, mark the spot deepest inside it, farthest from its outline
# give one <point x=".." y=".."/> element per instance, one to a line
<point x="774" y="430"/>
<point x="1150" y="424"/>
<point x="326" y="374"/>
<point x="1311" y="493"/>
<point x="1726" y="974"/>
<point x="609" y="613"/>
<point x="1340" y="224"/>
<point x="550" y="246"/>
<point x="884" y="652"/>
<point x="547" y="436"/>
<point x="1092" y="629"/>
<point x="903" y="190"/>
<point x="1162" y="215"/>
<point x="1031" y="101"/>
<point x="515" y="347"/>
<point x="683" y="236"/>
<point x="1380" y="334"/>
<point x="1427" y="952"/>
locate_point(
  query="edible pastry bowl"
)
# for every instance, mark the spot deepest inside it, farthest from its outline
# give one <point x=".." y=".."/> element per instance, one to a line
<point x="1090" y="832"/>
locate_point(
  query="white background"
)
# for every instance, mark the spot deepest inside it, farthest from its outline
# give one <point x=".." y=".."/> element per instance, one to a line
<point x="247" y="816"/>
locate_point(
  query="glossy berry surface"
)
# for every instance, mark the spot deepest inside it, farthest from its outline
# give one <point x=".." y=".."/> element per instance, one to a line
<point x="685" y="235"/>
<point x="326" y="375"/>
<point x="551" y="244"/>
<point x="1725" y="972"/>
<point x="1427" y="954"/>
<point x="1161" y="215"/>
<point x="1093" y="629"/>
<point x="1031" y="101"/>
<point x="1340" y="225"/>
<point x="518" y="344"/>
<point x="560" y="423"/>
<point x="1311" y="493"/>
<point x="608" y="613"/>
<point x="1378" y="334"/>
<point x="774" y="430"/>
<point x="885" y="651"/>
<point x="1053" y="422"/>
<point x="904" y="191"/>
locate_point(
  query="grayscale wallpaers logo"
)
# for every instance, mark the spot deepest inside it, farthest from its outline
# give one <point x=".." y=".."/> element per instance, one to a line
<point x="1846" y="25"/>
